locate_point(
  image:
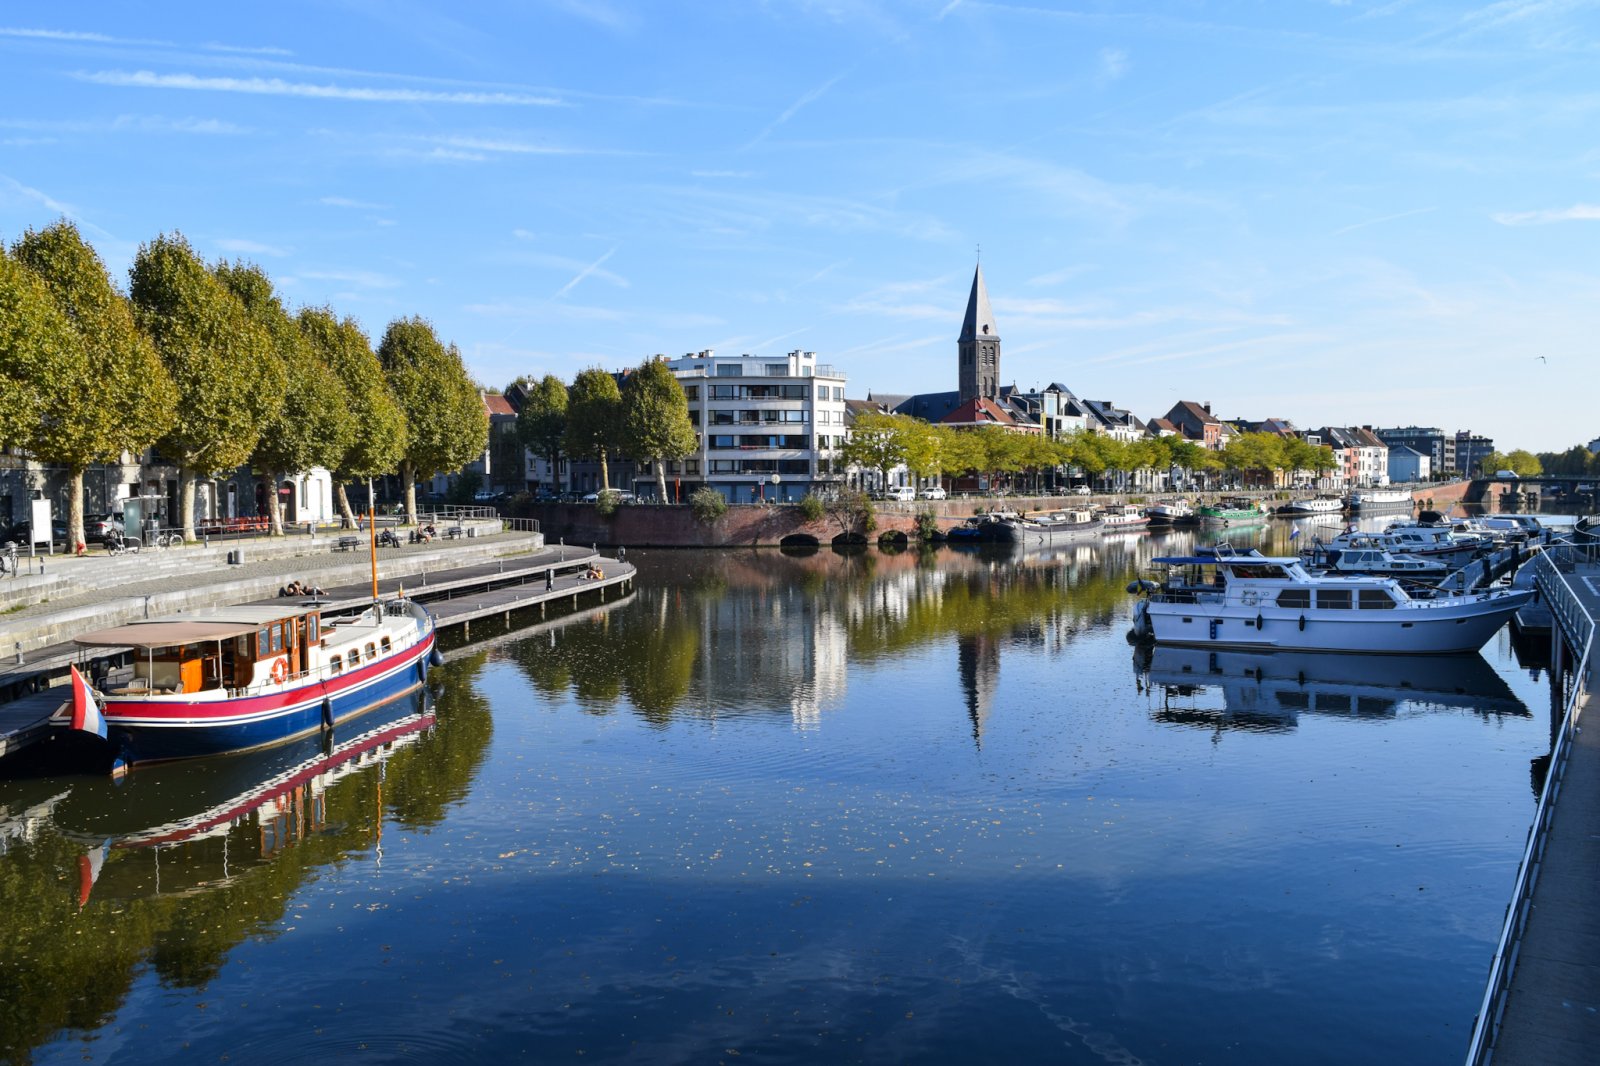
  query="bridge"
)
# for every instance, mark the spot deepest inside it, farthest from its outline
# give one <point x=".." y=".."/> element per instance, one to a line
<point x="1570" y="485"/>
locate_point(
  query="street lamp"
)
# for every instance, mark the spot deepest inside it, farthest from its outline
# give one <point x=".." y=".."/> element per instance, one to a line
<point x="776" y="481"/>
<point x="761" y="487"/>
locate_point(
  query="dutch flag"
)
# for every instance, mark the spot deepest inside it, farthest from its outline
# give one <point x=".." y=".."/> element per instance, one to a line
<point x="1295" y="532"/>
<point x="86" y="707"/>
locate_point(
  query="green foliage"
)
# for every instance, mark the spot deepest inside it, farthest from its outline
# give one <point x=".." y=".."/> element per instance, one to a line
<point x="606" y="502"/>
<point x="707" y="505"/>
<point x="1523" y="463"/>
<point x="852" y="511"/>
<point x="594" y="418"/>
<point x="927" y="524"/>
<point x="38" y="351"/>
<point x="655" y="419"/>
<point x="449" y="426"/>
<point x="464" y="489"/>
<point x="878" y="442"/>
<point x="229" y="377"/>
<point x="811" y="507"/>
<point x="542" y="422"/>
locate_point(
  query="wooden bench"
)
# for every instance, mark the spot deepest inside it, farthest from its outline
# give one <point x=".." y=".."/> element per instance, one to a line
<point x="455" y="532"/>
<point x="347" y="544"/>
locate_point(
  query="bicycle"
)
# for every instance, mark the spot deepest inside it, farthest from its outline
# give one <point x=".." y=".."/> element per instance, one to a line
<point x="117" y="544"/>
<point x="172" y="538"/>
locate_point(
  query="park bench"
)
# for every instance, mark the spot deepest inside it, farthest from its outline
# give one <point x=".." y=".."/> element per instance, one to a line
<point x="454" y="532"/>
<point x="347" y="544"/>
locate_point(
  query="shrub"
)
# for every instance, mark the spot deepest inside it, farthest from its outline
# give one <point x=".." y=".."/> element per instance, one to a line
<point x="927" y="525"/>
<point x="607" y="502"/>
<point x="707" y="505"/>
<point x="811" y="507"/>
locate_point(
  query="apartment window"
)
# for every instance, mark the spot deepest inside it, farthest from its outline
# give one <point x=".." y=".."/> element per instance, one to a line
<point x="730" y="370"/>
<point x="777" y="370"/>
<point x="691" y="466"/>
<point x="822" y="392"/>
<point x="691" y="392"/>
<point x="838" y="393"/>
<point x="722" y="418"/>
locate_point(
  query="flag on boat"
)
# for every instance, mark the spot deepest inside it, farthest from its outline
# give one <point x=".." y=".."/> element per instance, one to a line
<point x="86" y="707"/>
<point x="1295" y="532"/>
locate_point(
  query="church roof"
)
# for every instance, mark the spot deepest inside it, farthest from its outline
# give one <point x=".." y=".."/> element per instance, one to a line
<point x="980" y="317"/>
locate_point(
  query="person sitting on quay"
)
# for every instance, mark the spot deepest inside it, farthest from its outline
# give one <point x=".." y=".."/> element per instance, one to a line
<point x="594" y="573"/>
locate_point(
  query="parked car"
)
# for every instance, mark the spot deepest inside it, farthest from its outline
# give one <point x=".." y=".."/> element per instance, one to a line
<point x="622" y="495"/>
<point x="935" y="493"/>
<point x="96" y="526"/>
<point x="904" y="494"/>
<point x="1083" y="490"/>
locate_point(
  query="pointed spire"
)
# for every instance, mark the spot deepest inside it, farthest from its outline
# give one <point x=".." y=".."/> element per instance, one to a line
<point x="980" y="319"/>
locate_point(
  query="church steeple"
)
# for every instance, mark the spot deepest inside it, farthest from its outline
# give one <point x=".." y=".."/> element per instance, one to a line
<point x="978" y="347"/>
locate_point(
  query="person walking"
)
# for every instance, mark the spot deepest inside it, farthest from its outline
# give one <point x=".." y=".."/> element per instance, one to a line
<point x="550" y="579"/>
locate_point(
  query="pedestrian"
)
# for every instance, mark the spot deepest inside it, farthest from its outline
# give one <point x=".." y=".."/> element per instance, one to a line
<point x="550" y="579"/>
<point x="622" y="554"/>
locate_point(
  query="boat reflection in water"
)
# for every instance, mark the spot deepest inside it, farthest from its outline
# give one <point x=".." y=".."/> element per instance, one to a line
<point x="221" y="816"/>
<point x="1268" y="691"/>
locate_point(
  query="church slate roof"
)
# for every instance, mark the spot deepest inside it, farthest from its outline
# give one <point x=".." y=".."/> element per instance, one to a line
<point x="979" y="321"/>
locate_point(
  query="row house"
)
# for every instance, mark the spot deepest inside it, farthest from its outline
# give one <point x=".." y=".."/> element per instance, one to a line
<point x="1194" y="421"/>
<point x="1362" y="455"/>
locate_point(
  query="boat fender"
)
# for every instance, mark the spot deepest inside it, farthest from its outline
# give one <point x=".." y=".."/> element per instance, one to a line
<point x="1259" y="620"/>
<point x="436" y="657"/>
<point x="327" y="713"/>
<point x="1302" y="623"/>
<point x="422" y="669"/>
<point x="1134" y="587"/>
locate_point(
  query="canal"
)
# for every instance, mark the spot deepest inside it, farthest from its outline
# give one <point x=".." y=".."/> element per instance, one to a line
<point x="798" y="808"/>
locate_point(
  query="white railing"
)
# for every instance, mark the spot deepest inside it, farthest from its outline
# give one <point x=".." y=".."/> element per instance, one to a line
<point x="1552" y="564"/>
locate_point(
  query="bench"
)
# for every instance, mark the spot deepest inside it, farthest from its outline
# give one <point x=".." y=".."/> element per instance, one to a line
<point x="347" y="544"/>
<point x="455" y="532"/>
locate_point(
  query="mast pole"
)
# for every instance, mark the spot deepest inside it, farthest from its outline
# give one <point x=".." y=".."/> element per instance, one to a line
<point x="372" y="540"/>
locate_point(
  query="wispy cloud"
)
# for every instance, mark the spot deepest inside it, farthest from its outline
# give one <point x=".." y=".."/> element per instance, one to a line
<point x="80" y="36"/>
<point x="366" y="279"/>
<point x="722" y="173"/>
<point x="145" y="79"/>
<point x="345" y="201"/>
<point x="500" y="145"/>
<point x="1575" y="213"/>
<point x="48" y="202"/>
<point x="795" y="108"/>
<point x="1113" y="65"/>
<point x="128" y="123"/>
<point x="240" y="246"/>
<point x="584" y="273"/>
<point x="1385" y="218"/>
<point x="248" y="50"/>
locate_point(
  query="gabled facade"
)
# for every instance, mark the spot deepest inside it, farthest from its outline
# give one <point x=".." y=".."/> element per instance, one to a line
<point x="1196" y="422"/>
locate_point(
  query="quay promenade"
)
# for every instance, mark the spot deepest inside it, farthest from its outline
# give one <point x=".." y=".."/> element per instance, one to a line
<point x="1542" y="1004"/>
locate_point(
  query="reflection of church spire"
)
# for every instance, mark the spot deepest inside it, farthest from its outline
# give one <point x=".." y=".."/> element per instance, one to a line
<point x="979" y="660"/>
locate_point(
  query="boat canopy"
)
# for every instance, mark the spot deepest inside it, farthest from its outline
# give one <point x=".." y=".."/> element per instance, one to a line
<point x="163" y="634"/>
<point x="1224" y="560"/>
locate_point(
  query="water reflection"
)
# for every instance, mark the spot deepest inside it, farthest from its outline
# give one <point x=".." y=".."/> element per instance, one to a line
<point x="1268" y="691"/>
<point x="175" y="866"/>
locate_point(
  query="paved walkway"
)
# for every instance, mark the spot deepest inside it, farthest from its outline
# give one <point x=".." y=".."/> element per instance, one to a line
<point x="1552" y="1012"/>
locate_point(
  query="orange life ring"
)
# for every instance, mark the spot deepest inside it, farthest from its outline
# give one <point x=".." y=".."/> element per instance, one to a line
<point x="280" y="671"/>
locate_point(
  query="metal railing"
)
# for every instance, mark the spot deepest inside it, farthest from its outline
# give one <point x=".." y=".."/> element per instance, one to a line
<point x="1552" y="566"/>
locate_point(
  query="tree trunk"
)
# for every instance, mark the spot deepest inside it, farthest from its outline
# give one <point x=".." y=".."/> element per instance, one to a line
<point x="661" y="481"/>
<point x="605" y="472"/>
<point x="345" y="508"/>
<point x="408" y="477"/>
<point x="274" y="505"/>
<point x="186" y="483"/>
<point x="75" y="511"/>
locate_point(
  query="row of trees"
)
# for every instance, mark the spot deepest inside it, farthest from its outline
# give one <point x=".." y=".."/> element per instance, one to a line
<point x="882" y="442"/>
<point x="208" y="364"/>
<point x="646" y="419"/>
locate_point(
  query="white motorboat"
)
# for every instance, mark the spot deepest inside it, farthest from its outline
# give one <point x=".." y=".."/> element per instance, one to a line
<point x="1366" y="553"/>
<point x="1446" y="545"/>
<point x="1252" y="601"/>
<point x="1379" y="499"/>
<point x="1313" y="505"/>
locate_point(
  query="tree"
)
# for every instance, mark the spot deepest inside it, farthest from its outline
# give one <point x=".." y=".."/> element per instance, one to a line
<point x="594" y="418"/>
<point x="229" y="378"/>
<point x="877" y="442"/>
<point x="542" y="422"/>
<point x="378" y="442"/>
<point x="851" y="510"/>
<point x="315" y="425"/>
<point x="1523" y="464"/>
<point x="655" y="419"/>
<point x="122" y="396"/>
<point x="449" y="426"/>
<point x="38" y="347"/>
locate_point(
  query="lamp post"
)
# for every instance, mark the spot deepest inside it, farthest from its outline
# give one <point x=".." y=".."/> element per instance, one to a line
<point x="761" y="487"/>
<point x="776" y="481"/>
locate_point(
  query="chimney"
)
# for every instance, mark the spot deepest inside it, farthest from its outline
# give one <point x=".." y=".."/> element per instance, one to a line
<point x="1207" y="406"/>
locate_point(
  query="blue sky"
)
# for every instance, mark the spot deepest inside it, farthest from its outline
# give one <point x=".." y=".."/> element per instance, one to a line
<point x="1337" y="213"/>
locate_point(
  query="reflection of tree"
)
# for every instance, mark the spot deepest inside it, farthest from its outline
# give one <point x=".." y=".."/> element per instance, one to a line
<point x="180" y="909"/>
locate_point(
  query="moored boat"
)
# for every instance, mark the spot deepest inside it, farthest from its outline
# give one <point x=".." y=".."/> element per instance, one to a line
<point x="1379" y="499"/>
<point x="1313" y="505"/>
<point x="1048" y="528"/>
<point x="1367" y="554"/>
<point x="1171" y="512"/>
<point x="1124" y="519"/>
<point x="239" y="678"/>
<point x="1274" y="602"/>
<point x="1231" y="510"/>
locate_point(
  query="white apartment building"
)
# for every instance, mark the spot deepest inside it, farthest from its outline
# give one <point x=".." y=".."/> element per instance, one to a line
<point x="770" y="428"/>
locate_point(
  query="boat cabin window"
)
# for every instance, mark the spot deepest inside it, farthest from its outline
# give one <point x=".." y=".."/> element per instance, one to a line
<point x="354" y="657"/>
<point x="371" y="650"/>
<point x="384" y="643"/>
<point x="277" y="636"/>
<point x="313" y="629"/>
<point x="1376" y="600"/>
<point x="336" y="665"/>
<point x="1298" y="599"/>
<point x="1333" y="599"/>
<point x="263" y="643"/>
<point x="1269" y="570"/>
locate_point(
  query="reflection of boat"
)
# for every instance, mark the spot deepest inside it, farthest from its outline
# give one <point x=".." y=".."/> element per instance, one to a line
<point x="1230" y="511"/>
<point x="1048" y="528"/>
<point x="1265" y="602"/>
<point x="1313" y="505"/>
<point x="270" y="797"/>
<point x="242" y="677"/>
<point x="1274" y="688"/>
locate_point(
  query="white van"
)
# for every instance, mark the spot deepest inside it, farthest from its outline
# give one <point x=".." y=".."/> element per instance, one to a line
<point x="935" y="493"/>
<point x="904" y="494"/>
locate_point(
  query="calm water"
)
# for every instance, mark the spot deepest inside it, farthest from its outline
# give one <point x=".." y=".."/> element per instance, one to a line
<point x="793" y="809"/>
